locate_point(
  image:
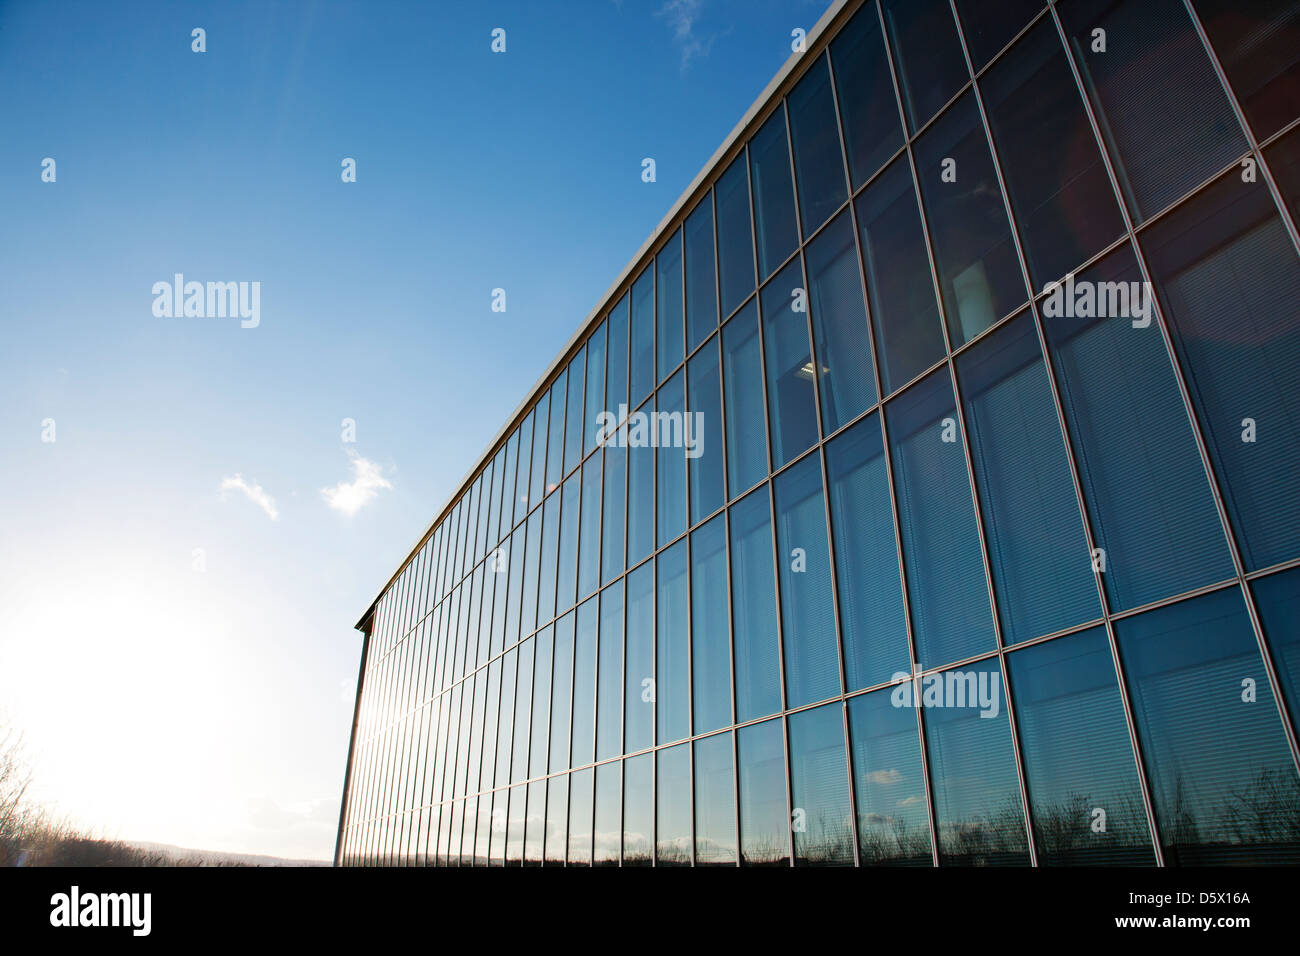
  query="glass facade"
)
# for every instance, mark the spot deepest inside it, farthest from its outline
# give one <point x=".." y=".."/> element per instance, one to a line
<point x="926" y="495"/>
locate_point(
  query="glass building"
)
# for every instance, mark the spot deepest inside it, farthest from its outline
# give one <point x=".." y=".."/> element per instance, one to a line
<point x="968" y="527"/>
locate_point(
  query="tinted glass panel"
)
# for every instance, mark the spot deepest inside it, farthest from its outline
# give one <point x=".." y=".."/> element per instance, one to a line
<point x="754" y="628"/>
<point x="641" y="370"/>
<point x="818" y="163"/>
<point x="945" y="573"/>
<point x="1038" y="553"/>
<point x="1148" y="498"/>
<point x="609" y="699"/>
<point x="710" y="641"/>
<point x="872" y="619"/>
<point x="640" y="496"/>
<point x="537" y="482"/>
<point x="715" y="802"/>
<point x="638" y="810"/>
<point x="534" y="824"/>
<point x="606" y="838"/>
<point x="865" y="90"/>
<point x="673" y="839"/>
<point x="735" y="238"/>
<point x="1058" y="187"/>
<point x="1229" y="284"/>
<point x="581" y="807"/>
<point x="979" y="277"/>
<point x="584" y="686"/>
<point x="573" y="423"/>
<point x="701" y="277"/>
<point x="613" y="525"/>
<point x="616" y="364"/>
<point x="670" y="458"/>
<point x="764" y="822"/>
<point x="819" y="788"/>
<point x="927" y="55"/>
<point x="638" y="714"/>
<point x="542" y="662"/>
<point x="792" y="405"/>
<point x="1152" y="56"/>
<point x="1277" y="598"/>
<point x="839" y="322"/>
<point x="557" y="820"/>
<point x="595" y="389"/>
<point x="1079" y="767"/>
<point x="523" y="712"/>
<point x="589" y="550"/>
<point x="990" y="26"/>
<point x="672" y="663"/>
<point x="702" y="432"/>
<point x="567" y="572"/>
<point x="977" y="805"/>
<point x="742" y="359"/>
<point x="904" y="314"/>
<point x="888" y="783"/>
<point x="1222" y="777"/>
<point x="555" y="444"/>
<point x="668" y="305"/>
<point x="1257" y="49"/>
<point x="807" y="609"/>
<point x="775" y="233"/>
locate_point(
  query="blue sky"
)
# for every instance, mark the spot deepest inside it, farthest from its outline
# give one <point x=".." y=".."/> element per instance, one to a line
<point x="211" y="707"/>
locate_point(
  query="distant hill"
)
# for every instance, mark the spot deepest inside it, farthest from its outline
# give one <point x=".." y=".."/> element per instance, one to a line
<point x="184" y="856"/>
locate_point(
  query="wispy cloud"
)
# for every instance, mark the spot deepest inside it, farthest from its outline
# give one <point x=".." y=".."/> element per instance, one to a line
<point x="367" y="479"/>
<point x="254" y="492"/>
<point x="683" y="16"/>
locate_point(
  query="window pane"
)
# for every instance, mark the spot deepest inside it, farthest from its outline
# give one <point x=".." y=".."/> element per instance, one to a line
<point x="537" y="482"/>
<point x="589" y="552"/>
<point x="1038" y="553"/>
<point x="977" y="804"/>
<point x="774" y="226"/>
<point x="735" y="240"/>
<point x="1223" y="781"/>
<point x="990" y="26"/>
<point x="638" y="713"/>
<point x="673" y="807"/>
<point x="669" y="338"/>
<point x="608" y="829"/>
<point x="1284" y="160"/>
<point x="710" y="643"/>
<point x="521" y="504"/>
<point x="641" y="497"/>
<point x="515" y="827"/>
<point x="703" y="432"/>
<point x="1058" y="187"/>
<point x="573" y="425"/>
<point x="638" y="810"/>
<point x="523" y="712"/>
<point x="609" y="700"/>
<point x="715" y="802"/>
<point x="979" y="277"/>
<point x="615" y="507"/>
<point x="557" y="819"/>
<point x="743" y="381"/>
<point x="904" y="315"/>
<point x="753" y="588"/>
<point x="672" y="676"/>
<point x="555" y="444"/>
<point x="534" y="824"/>
<point x="927" y="55"/>
<point x="1079" y="768"/>
<point x="865" y="91"/>
<point x="888" y="782"/>
<point x="580" y="814"/>
<point x="839" y="322"/>
<point x="807" y="611"/>
<point x="567" y="573"/>
<point x="595" y="388"/>
<point x="528" y="609"/>
<point x="506" y="518"/>
<point x="819" y="788"/>
<point x="1229" y="282"/>
<point x="1277" y="598"/>
<point x="1152" y="56"/>
<point x="1148" y="498"/>
<point x="866" y="560"/>
<point x="541" y="702"/>
<point x="1258" y="53"/>
<point x="949" y="603"/>
<point x="642" y="368"/>
<point x="814" y="135"/>
<point x="584" y="686"/>
<point x="561" y="693"/>
<point x="764" y="822"/>
<point x="506" y="723"/>
<point x="701" y="277"/>
<point x="670" y="459"/>
<point x="792" y="406"/>
<point x="616" y="364"/>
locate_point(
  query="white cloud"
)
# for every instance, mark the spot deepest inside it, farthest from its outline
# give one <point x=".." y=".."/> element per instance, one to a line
<point x="349" y="496"/>
<point x="682" y="16"/>
<point x="254" y="492"/>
